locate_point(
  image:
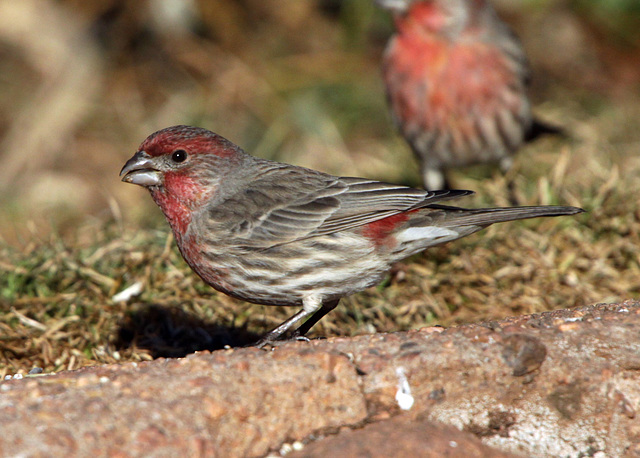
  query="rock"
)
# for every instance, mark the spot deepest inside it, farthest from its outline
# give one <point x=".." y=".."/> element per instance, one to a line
<point x="563" y="383"/>
<point x="401" y="436"/>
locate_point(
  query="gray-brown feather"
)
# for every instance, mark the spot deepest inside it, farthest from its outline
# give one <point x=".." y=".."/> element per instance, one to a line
<point x="287" y="203"/>
<point x="292" y="232"/>
<point x="446" y="216"/>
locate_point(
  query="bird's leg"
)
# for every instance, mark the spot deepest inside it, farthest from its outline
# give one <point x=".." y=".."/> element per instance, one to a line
<point x="317" y="316"/>
<point x="506" y="165"/>
<point x="311" y="305"/>
<point x="277" y="332"/>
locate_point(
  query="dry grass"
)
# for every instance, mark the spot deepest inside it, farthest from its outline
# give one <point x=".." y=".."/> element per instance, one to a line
<point x="300" y="87"/>
<point x="60" y="314"/>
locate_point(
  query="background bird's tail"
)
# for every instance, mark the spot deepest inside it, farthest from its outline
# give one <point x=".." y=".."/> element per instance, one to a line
<point x="539" y="128"/>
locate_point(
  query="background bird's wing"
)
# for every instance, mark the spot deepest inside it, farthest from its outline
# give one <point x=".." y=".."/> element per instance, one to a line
<point x="285" y="203"/>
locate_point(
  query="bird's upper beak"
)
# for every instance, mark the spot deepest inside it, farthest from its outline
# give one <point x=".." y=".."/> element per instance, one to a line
<point x="141" y="170"/>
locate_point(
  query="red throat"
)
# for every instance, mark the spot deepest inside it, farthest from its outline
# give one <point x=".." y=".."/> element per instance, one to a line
<point x="181" y="196"/>
<point x="442" y="83"/>
<point x="176" y="213"/>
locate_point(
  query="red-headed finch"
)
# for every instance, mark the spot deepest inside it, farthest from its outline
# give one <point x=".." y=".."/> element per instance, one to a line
<point x="456" y="78"/>
<point x="277" y="234"/>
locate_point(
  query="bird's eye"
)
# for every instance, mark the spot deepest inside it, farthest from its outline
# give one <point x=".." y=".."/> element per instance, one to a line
<point x="179" y="155"/>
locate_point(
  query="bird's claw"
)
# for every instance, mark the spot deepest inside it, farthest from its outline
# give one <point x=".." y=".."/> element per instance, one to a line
<point x="269" y="340"/>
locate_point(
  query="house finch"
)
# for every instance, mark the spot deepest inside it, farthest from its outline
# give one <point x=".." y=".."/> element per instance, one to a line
<point x="277" y="234"/>
<point x="456" y="79"/>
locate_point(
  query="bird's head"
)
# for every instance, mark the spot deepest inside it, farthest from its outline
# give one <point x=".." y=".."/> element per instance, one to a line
<point x="445" y="17"/>
<point x="182" y="167"/>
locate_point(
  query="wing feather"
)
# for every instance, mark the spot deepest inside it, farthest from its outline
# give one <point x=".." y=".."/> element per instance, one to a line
<point x="287" y="203"/>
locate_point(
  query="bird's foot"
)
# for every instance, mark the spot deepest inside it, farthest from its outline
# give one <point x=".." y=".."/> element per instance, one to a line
<point x="277" y="340"/>
<point x="270" y="339"/>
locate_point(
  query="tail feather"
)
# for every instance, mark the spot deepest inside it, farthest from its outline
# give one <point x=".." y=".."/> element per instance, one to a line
<point x="539" y="128"/>
<point x="488" y="216"/>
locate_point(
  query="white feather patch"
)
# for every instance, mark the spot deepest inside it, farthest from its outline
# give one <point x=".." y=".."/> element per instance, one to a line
<point x="311" y="303"/>
<point x="412" y="234"/>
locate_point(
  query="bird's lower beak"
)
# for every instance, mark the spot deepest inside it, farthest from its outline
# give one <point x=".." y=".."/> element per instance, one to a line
<point x="141" y="170"/>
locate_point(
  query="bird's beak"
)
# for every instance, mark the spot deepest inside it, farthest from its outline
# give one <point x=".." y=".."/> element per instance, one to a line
<point x="141" y="170"/>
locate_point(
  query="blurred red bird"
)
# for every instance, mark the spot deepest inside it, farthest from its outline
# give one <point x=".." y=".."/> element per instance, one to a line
<point x="277" y="234"/>
<point x="456" y="78"/>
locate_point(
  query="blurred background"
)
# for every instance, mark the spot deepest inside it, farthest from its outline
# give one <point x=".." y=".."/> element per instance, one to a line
<point x="83" y="83"/>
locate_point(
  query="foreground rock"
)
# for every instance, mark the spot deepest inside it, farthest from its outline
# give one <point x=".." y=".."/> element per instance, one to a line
<point x="401" y="436"/>
<point x="563" y="383"/>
